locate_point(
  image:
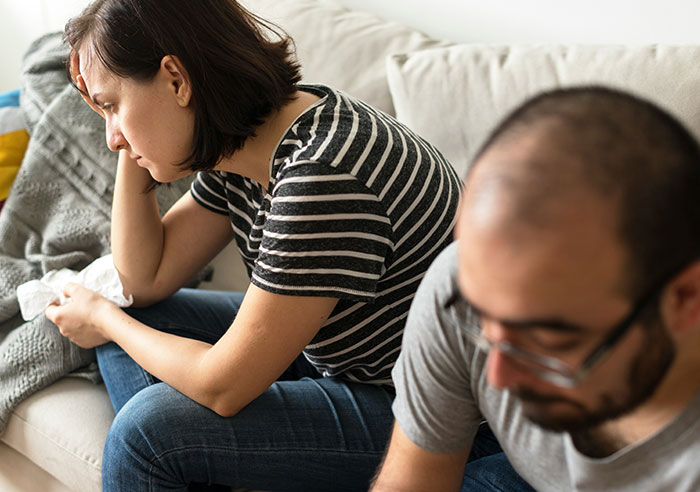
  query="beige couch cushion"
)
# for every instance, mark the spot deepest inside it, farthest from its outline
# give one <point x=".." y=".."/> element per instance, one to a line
<point x="63" y="429"/>
<point x="343" y="48"/>
<point x="454" y="96"/>
<point x="19" y="474"/>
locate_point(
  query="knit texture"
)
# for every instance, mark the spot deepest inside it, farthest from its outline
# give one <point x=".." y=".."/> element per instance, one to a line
<point x="57" y="216"/>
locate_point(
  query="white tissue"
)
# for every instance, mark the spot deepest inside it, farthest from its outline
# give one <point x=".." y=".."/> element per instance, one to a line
<point x="100" y="275"/>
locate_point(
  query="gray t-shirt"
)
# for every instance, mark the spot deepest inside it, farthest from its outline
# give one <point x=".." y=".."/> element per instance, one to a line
<point x="442" y="395"/>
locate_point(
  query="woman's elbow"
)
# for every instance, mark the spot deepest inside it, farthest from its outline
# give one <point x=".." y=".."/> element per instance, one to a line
<point x="143" y="301"/>
<point x="218" y="396"/>
<point x="147" y="295"/>
<point x="225" y="410"/>
<point x="224" y="405"/>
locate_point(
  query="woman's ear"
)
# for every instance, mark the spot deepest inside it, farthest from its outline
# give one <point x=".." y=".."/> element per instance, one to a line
<point x="680" y="304"/>
<point x="178" y="79"/>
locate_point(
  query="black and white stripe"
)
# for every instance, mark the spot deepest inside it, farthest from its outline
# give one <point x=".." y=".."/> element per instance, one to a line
<point x="358" y="207"/>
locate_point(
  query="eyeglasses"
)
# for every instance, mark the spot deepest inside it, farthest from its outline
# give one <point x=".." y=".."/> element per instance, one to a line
<point x="550" y="368"/>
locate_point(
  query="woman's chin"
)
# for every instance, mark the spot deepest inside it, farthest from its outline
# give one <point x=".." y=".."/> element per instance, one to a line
<point x="166" y="177"/>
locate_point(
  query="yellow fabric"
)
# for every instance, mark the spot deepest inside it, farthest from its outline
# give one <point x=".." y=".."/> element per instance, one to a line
<point x="12" y="148"/>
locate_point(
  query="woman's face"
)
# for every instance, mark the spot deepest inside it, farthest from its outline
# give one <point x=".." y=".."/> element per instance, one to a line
<point x="153" y="121"/>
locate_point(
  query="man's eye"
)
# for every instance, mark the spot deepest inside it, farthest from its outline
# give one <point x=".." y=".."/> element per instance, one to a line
<point x="548" y="340"/>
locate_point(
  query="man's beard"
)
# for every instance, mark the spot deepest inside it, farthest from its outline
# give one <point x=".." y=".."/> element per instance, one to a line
<point x="645" y="373"/>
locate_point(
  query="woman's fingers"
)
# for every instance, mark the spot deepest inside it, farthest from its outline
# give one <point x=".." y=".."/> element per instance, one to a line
<point x="79" y="81"/>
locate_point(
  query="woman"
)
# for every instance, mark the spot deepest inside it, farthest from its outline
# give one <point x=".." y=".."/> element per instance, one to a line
<point x="336" y="208"/>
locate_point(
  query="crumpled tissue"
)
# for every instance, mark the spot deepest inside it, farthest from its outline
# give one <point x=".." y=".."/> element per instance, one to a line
<point x="100" y="275"/>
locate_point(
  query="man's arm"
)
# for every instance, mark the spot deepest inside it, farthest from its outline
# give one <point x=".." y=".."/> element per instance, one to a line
<point x="434" y="405"/>
<point x="410" y="468"/>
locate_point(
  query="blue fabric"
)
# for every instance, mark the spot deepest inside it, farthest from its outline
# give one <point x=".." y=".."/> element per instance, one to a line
<point x="488" y="468"/>
<point x="493" y="473"/>
<point x="305" y="433"/>
<point x="9" y="99"/>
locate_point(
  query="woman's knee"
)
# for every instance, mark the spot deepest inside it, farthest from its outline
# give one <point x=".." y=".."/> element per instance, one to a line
<point x="138" y="439"/>
<point x="143" y="424"/>
<point x="151" y="440"/>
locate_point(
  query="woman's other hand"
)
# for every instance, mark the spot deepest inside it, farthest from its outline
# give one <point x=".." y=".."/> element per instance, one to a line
<point x="81" y="319"/>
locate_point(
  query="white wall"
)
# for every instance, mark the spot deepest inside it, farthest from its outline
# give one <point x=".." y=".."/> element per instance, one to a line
<point x="21" y="21"/>
<point x="498" y="21"/>
<point x="518" y="21"/>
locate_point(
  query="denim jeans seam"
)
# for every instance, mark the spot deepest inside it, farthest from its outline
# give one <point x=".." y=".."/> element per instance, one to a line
<point x="147" y="377"/>
<point x="277" y="450"/>
<point x="152" y="463"/>
<point x="490" y="486"/>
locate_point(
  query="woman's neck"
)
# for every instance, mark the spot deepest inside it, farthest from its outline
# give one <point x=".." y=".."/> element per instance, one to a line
<point x="253" y="159"/>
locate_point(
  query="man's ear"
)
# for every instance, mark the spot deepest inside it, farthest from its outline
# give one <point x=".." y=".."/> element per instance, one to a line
<point x="680" y="304"/>
<point x="179" y="80"/>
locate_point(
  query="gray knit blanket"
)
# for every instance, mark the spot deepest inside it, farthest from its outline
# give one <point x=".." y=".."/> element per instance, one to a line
<point x="57" y="216"/>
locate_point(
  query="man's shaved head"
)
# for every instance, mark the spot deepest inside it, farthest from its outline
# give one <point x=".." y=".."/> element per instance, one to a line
<point x="596" y="142"/>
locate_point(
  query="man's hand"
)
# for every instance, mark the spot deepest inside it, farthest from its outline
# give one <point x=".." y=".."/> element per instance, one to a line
<point x="81" y="319"/>
<point x="410" y="468"/>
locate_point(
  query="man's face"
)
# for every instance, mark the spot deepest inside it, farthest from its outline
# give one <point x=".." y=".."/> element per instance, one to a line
<point x="525" y="278"/>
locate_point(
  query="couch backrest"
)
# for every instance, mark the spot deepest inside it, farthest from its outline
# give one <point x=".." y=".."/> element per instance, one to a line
<point x="343" y="48"/>
<point x="454" y="94"/>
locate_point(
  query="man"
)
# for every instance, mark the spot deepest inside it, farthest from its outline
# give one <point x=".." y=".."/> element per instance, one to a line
<point x="567" y="314"/>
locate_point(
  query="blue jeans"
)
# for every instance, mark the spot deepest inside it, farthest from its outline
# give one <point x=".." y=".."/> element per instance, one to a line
<point x="488" y="468"/>
<point x="305" y="432"/>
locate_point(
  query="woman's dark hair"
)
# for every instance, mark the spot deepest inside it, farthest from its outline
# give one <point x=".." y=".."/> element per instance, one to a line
<point x="239" y="73"/>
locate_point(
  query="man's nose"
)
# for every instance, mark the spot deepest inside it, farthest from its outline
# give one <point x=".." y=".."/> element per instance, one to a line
<point x="503" y="373"/>
<point x="115" y="138"/>
<point x="501" y="370"/>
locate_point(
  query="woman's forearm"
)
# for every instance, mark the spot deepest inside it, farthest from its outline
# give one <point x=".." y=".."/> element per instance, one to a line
<point x="229" y="374"/>
<point x="172" y="359"/>
<point x="136" y="229"/>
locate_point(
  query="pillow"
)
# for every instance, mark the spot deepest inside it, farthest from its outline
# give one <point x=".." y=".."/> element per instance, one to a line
<point x="13" y="141"/>
<point x="343" y="48"/>
<point x="454" y="96"/>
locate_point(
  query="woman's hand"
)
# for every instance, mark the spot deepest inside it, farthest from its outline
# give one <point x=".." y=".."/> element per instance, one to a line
<point x="82" y="320"/>
<point x="80" y="82"/>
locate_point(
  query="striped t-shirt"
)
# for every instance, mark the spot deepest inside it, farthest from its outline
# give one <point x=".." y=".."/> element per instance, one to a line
<point x="357" y="208"/>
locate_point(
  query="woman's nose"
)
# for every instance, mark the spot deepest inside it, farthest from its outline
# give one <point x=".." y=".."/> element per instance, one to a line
<point x="115" y="138"/>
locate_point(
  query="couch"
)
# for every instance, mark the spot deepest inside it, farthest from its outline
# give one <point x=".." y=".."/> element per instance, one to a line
<point x="449" y="93"/>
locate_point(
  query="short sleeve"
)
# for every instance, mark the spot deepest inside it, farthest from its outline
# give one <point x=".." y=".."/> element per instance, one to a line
<point x="209" y="190"/>
<point x="326" y="234"/>
<point x="434" y="405"/>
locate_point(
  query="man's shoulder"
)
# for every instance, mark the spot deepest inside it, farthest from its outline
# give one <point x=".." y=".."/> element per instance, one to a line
<point x="440" y="278"/>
